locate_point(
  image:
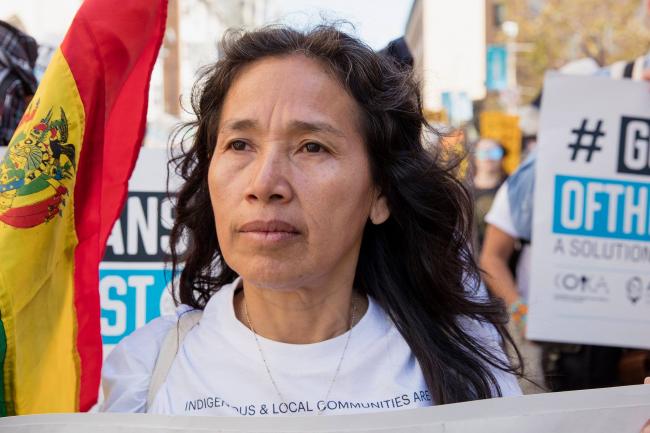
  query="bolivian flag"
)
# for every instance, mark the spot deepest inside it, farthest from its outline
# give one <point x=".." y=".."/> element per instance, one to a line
<point x="63" y="181"/>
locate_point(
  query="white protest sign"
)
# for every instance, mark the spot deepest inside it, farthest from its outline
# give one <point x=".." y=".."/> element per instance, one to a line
<point x="590" y="276"/>
<point x="620" y="410"/>
<point x="133" y="280"/>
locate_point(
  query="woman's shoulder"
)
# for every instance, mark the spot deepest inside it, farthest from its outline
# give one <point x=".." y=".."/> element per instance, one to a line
<point x="127" y="369"/>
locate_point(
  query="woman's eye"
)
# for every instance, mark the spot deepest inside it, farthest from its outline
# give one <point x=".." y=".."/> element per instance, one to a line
<point x="313" y="147"/>
<point x="238" y="145"/>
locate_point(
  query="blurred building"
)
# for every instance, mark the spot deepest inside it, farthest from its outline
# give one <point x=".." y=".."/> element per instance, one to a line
<point x="194" y="29"/>
<point x="448" y="40"/>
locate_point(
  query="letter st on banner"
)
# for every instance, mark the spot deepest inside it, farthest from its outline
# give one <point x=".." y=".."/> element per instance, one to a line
<point x="133" y="281"/>
<point x="590" y="275"/>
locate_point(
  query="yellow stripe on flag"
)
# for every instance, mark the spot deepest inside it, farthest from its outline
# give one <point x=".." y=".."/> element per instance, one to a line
<point x="37" y="304"/>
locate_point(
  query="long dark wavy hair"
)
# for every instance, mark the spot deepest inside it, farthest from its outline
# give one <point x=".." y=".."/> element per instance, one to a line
<point x="418" y="265"/>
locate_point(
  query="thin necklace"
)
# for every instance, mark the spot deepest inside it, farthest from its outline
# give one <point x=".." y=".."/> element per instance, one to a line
<point x="353" y="314"/>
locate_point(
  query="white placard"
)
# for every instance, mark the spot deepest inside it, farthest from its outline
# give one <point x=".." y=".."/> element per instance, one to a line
<point x="133" y="280"/>
<point x="619" y="410"/>
<point x="590" y="276"/>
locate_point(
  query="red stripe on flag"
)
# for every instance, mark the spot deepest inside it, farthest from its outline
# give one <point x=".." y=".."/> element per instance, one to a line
<point x="32" y="215"/>
<point x="111" y="49"/>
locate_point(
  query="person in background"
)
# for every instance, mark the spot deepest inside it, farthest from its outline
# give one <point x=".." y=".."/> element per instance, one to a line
<point x="18" y="54"/>
<point x="398" y="50"/>
<point x="508" y="229"/>
<point x="488" y="176"/>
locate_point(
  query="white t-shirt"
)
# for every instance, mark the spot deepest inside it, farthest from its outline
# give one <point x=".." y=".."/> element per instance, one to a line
<point x="500" y="217"/>
<point x="219" y="370"/>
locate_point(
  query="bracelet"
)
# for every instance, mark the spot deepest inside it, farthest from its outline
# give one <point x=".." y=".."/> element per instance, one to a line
<point x="518" y="311"/>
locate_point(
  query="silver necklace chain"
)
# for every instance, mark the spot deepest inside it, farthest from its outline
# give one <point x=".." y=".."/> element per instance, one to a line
<point x="353" y="314"/>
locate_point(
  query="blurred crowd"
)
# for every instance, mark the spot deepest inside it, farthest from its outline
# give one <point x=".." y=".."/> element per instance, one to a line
<point x="503" y="218"/>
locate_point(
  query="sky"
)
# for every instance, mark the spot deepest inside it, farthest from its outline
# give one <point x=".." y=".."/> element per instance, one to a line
<point x="377" y="22"/>
<point x="45" y="20"/>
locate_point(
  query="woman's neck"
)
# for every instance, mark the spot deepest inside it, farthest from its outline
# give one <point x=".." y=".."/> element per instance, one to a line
<point x="299" y="316"/>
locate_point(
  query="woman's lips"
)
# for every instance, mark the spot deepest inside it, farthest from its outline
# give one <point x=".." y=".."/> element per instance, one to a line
<point x="269" y="231"/>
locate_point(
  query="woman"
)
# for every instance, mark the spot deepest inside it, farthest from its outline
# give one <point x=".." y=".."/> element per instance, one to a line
<point x="488" y="177"/>
<point x="334" y="271"/>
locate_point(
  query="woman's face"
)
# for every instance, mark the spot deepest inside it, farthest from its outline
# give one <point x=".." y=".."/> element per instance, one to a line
<point x="488" y="156"/>
<point x="289" y="179"/>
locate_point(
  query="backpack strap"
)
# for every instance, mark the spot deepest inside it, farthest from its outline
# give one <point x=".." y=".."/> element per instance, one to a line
<point x="168" y="351"/>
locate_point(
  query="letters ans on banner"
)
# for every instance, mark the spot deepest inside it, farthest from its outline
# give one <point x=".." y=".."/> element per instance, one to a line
<point x="134" y="282"/>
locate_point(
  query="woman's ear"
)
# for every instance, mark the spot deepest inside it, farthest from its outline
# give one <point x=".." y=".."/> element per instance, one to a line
<point x="379" y="211"/>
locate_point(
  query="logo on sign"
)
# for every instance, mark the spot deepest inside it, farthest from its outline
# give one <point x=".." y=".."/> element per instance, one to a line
<point x="634" y="289"/>
<point x="581" y="283"/>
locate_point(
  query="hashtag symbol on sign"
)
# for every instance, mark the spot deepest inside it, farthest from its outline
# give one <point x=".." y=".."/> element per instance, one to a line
<point x="582" y="134"/>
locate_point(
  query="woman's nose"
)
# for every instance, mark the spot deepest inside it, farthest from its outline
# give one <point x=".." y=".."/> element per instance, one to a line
<point x="270" y="178"/>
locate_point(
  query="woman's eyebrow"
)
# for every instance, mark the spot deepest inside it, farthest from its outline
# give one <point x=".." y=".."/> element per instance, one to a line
<point x="304" y="126"/>
<point x="294" y="127"/>
<point x="240" y="125"/>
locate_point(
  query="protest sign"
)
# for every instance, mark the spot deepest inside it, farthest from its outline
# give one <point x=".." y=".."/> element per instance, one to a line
<point x="620" y="410"/>
<point x="590" y="276"/>
<point x="503" y="128"/>
<point x="133" y="280"/>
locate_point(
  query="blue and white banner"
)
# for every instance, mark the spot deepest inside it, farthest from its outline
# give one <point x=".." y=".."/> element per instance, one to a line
<point x="134" y="283"/>
<point x="497" y="67"/>
<point x="590" y="275"/>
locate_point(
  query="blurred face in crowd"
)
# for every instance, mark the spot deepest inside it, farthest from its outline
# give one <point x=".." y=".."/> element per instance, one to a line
<point x="488" y="156"/>
<point x="289" y="179"/>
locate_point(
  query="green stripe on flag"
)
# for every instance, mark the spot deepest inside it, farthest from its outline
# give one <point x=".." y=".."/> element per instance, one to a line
<point x="3" y="354"/>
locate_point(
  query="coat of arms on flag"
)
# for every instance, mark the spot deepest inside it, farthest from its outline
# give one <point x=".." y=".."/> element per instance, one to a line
<point x="35" y="168"/>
